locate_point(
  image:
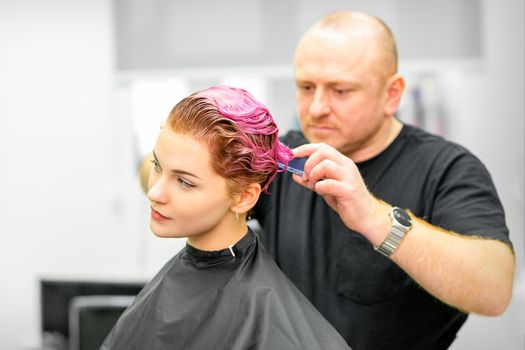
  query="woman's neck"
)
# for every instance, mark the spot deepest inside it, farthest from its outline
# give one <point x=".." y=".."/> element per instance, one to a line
<point x="220" y="237"/>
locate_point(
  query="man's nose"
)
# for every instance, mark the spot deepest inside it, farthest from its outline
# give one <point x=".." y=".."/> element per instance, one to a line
<point x="320" y="105"/>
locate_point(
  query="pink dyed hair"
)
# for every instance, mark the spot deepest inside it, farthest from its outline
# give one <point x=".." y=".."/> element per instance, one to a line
<point x="240" y="133"/>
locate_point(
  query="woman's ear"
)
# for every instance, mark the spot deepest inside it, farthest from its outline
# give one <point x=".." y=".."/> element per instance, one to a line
<point x="247" y="199"/>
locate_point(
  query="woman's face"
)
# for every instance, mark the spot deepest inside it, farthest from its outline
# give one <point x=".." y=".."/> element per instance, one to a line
<point x="188" y="199"/>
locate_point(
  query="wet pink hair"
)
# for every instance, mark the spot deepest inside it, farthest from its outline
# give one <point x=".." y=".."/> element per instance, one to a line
<point x="240" y="133"/>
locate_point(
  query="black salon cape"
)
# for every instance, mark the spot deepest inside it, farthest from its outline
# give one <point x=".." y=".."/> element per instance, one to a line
<point x="213" y="300"/>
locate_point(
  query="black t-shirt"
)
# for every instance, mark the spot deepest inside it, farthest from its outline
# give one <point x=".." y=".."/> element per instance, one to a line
<point x="371" y="301"/>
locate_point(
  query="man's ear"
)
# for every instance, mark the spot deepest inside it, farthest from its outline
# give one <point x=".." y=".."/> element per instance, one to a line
<point x="247" y="199"/>
<point x="395" y="86"/>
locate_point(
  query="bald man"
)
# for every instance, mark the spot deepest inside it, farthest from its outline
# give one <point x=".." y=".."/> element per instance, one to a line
<point x="394" y="234"/>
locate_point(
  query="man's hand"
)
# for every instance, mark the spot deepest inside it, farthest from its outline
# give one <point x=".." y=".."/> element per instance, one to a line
<point x="336" y="178"/>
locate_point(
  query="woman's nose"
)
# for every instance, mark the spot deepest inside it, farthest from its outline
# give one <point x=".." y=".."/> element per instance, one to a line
<point x="156" y="192"/>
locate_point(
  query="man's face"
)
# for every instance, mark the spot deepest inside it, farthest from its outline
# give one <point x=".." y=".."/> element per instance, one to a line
<point x="340" y="92"/>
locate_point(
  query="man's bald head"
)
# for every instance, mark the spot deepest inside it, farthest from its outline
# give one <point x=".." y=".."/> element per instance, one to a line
<point x="349" y="27"/>
<point x="347" y="85"/>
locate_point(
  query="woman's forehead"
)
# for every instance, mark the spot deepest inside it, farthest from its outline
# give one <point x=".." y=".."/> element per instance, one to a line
<point x="181" y="150"/>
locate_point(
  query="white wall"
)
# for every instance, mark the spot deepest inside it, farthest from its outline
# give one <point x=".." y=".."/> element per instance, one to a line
<point x="60" y="213"/>
<point x="488" y="111"/>
<point x="69" y="200"/>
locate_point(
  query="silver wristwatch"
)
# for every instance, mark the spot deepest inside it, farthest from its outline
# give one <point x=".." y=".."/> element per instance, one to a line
<point x="401" y="224"/>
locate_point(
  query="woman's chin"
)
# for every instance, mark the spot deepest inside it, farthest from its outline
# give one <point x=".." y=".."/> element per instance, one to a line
<point x="165" y="233"/>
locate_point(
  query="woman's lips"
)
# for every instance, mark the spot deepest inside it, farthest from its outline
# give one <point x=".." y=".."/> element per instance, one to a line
<point x="155" y="215"/>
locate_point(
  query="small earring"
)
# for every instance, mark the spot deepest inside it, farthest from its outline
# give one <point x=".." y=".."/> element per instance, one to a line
<point x="237" y="216"/>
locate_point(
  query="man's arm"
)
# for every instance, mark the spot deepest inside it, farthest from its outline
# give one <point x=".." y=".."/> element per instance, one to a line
<point x="469" y="273"/>
<point x="472" y="274"/>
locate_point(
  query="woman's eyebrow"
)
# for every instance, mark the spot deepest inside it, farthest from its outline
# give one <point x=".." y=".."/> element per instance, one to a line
<point x="184" y="172"/>
<point x="177" y="171"/>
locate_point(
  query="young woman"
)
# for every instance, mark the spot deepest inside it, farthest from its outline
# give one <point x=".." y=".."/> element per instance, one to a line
<point x="214" y="155"/>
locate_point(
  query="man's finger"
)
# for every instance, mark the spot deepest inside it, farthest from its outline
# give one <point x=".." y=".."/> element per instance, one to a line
<point x="306" y="150"/>
<point x="300" y="180"/>
<point x="326" y="169"/>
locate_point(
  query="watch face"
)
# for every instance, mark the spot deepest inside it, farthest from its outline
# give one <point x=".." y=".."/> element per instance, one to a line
<point x="402" y="217"/>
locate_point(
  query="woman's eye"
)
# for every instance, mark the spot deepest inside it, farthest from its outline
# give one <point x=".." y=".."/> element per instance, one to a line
<point x="156" y="165"/>
<point x="184" y="183"/>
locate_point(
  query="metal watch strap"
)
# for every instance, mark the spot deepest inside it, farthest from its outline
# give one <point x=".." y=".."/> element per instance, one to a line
<point x="392" y="241"/>
<point x="394" y="237"/>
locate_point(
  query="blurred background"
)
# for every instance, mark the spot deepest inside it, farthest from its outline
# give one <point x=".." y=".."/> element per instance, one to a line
<point x="85" y="84"/>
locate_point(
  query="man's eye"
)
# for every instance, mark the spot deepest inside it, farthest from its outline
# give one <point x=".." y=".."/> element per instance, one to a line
<point x="305" y="87"/>
<point x="184" y="183"/>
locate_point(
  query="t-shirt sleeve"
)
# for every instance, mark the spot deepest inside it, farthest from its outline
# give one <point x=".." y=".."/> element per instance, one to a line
<point x="466" y="201"/>
<point x="263" y="207"/>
